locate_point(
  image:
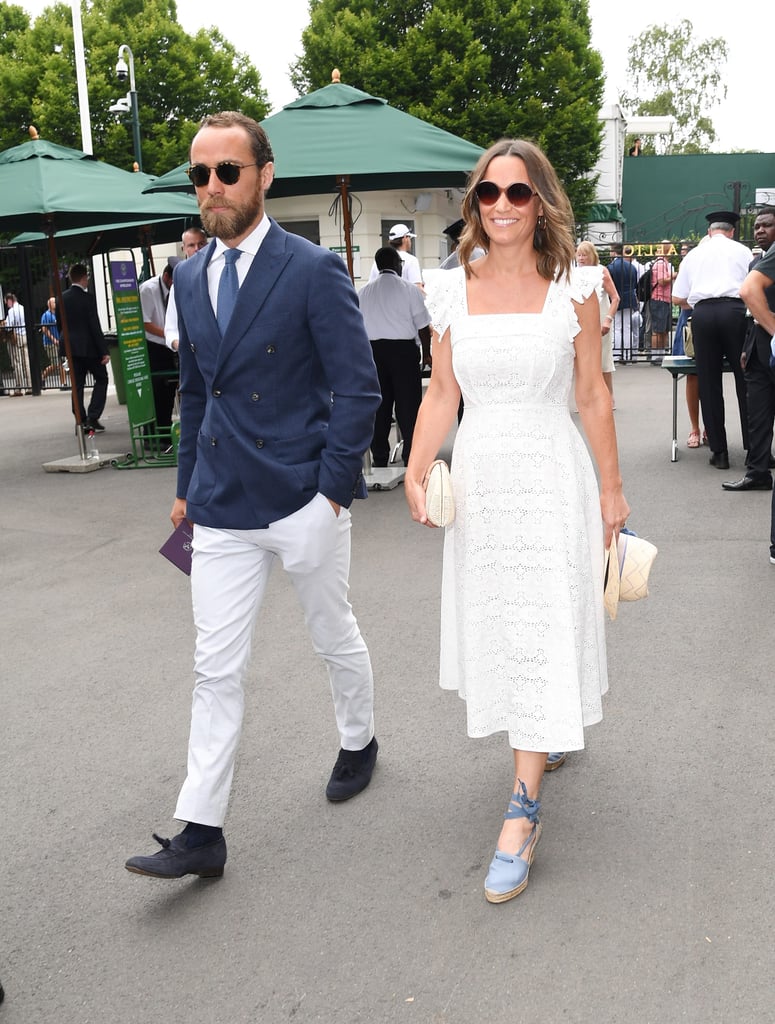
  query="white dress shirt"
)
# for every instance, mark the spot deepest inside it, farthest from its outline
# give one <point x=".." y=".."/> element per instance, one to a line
<point x="248" y="247"/>
<point x="714" y="270"/>
<point x="392" y="308"/>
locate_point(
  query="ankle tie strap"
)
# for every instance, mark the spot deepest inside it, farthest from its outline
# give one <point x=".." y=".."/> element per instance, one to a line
<point x="521" y="806"/>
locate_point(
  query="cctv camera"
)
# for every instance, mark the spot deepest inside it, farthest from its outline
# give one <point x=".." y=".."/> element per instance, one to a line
<point x="122" y="70"/>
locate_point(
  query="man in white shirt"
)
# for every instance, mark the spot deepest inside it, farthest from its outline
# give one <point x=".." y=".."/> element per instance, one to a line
<point x="394" y="314"/>
<point x="193" y="240"/>
<point x="400" y="239"/>
<point x="708" y="283"/>
<point x="154" y="297"/>
<point x="17" y="343"/>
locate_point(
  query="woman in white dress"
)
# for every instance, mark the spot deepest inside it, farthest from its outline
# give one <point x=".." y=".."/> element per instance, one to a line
<point x="522" y="638"/>
<point x="608" y="298"/>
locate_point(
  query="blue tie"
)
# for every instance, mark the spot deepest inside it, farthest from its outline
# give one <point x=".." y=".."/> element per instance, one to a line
<point x="228" y="286"/>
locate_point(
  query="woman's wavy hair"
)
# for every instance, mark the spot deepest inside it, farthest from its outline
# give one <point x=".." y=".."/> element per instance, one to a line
<point x="554" y="240"/>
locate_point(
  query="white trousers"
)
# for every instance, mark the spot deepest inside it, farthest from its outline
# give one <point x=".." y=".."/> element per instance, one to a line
<point x="229" y="574"/>
<point x="626" y="332"/>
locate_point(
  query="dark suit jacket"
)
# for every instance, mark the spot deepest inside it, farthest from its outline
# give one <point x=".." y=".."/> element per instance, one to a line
<point x="283" y="406"/>
<point x="625" y="277"/>
<point x="86" y="338"/>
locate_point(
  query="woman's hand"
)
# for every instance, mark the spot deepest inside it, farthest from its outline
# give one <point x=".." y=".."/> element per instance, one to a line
<point x="415" y="498"/>
<point x="614" y="510"/>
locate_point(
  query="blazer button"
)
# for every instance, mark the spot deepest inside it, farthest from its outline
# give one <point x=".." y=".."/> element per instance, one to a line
<point x="193" y="347"/>
<point x="216" y="392"/>
<point x="270" y="350"/>
<point x="255" y="397"/>
<point x="259" y="443"/>
<point x="213" y="441"/>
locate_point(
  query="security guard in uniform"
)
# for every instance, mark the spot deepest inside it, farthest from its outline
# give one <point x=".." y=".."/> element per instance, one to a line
<point x="708" y="283"/>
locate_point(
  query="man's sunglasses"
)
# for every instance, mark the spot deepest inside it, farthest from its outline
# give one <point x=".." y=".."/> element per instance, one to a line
<point x="227" y="172"/>
<point x="518" y="193"/>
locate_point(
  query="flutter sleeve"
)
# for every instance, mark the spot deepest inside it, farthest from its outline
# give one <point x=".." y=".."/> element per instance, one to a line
<point x="583" y="282"/>
<point x="444" y="297"/>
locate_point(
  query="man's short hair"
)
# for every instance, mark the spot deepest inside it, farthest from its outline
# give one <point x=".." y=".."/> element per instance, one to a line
<point x="616" y="249"/>
<point x="78" y="272"/>
<point x="259" y="141"/>
<point x="387" y="258"/>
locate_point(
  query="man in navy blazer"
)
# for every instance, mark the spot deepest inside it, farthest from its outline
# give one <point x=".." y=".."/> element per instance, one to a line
<point x="278" y="394"/>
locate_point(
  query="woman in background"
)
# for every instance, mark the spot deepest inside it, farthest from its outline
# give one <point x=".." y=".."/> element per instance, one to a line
<point x="608" y="297"/>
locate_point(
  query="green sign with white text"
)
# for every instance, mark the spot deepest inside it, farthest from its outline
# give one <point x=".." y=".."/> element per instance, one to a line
<point x="131" y="342"/>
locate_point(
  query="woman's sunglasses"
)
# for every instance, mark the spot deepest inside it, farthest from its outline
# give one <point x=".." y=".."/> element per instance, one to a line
<point x="518" y="193"/>
<point x="227" y="172"/>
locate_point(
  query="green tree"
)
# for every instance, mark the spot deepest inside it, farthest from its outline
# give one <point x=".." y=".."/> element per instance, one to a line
<point x="673" y="73"/>
<point x="179" y="78"/>
<point x="481" y="69"/>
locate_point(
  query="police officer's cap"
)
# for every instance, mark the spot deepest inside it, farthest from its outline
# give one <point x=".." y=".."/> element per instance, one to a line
<point x="722" y="217"/>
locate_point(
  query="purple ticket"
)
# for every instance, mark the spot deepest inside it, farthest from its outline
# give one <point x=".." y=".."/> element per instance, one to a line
<point x="177" y="547"/>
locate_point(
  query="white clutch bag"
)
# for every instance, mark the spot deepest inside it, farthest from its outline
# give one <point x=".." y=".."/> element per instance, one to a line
<point x="439" y="500"/>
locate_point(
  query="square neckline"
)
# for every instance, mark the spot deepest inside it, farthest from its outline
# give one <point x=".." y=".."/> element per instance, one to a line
<point x="552" y="283"/>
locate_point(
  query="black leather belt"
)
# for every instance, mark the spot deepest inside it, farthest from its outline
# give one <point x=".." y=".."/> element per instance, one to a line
<point x="721" y="298"/>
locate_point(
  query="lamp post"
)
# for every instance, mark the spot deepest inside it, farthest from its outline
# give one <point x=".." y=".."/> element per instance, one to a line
<point x="124" y="71"/>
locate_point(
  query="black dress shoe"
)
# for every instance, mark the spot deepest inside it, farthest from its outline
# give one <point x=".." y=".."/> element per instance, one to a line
<point x="352" y="772"/>
<point x="749" y="483"/>
<point x="175" y="859"/>
<point x="719" y="459"/>
<point x="94" y="425"/>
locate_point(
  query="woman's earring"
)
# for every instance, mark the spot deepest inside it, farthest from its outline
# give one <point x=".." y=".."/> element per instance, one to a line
<point x="539" y="235"/>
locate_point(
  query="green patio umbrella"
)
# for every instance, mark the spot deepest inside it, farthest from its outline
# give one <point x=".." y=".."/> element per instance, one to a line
<point x="339" y="139"/>
<point x="50" y="188"/>
<point x="93" y="240"/>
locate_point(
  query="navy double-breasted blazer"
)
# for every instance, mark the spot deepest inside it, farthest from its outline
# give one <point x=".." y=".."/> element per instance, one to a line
<point x="283" y="405"/>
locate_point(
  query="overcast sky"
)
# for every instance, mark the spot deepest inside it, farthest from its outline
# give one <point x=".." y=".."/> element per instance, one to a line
<point x="614" y="24"/>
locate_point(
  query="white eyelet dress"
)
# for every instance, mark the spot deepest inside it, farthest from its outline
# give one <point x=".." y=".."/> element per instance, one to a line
<point x="522" y="633"/>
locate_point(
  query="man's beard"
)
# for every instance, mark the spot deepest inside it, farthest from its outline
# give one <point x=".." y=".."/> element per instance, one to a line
<point x="236" y="221"/>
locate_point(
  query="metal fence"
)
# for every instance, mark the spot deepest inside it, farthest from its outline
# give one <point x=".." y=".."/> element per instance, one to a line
<point x="633" y="338"/>
<point x="20" y="357"/>
<point x="31" y="359"/>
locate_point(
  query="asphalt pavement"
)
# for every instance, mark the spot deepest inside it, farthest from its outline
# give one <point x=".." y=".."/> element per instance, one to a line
<point x="651" y="896"/>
